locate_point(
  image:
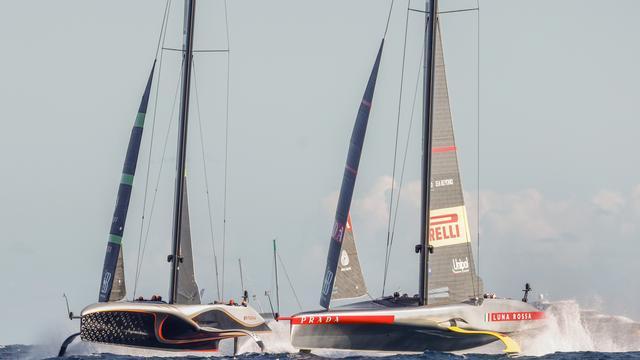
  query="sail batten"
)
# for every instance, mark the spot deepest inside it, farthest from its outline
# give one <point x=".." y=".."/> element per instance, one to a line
<point x="348" y="183"/>
<point x="112" y="286"/>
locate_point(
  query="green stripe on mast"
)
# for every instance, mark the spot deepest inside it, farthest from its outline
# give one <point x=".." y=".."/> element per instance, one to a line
<point x="115" y="239"/>
<point x="126" y="179"/>
<point x="139" y="120"/>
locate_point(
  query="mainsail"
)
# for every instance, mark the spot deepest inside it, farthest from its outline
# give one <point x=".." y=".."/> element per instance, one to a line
<point x="452" y="276"/>
<point x="349" y="280"/>
<point x="187" y="288"/>
<point x="112" y="286"/>
<point x="348" y="183"/>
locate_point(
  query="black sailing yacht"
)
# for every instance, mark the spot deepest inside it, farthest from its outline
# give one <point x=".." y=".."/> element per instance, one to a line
<point x="449" y="313"/>
<point x="182" y="323"/>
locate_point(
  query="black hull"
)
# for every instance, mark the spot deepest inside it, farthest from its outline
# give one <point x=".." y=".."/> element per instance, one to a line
<point x="387" y="337"/>
<point x="147" y="330"/>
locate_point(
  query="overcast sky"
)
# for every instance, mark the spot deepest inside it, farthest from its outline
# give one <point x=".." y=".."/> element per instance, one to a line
<point x="559" y="189"/>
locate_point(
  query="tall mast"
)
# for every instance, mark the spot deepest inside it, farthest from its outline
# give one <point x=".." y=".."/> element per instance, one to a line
<point x="427" y="126"/>
<point x="187" y="56"/>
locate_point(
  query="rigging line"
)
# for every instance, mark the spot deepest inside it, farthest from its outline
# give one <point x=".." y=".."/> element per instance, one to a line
<point x="206" y="179"/>
<point x="163" y="27"/>
<point x="286" y="274"/>
<point x="447" y="11"/>
<point x="161" y="38"/>
<point x="406" y="148"/>
<point x="226" y="145"/>
<point x="198" y="51"/>
<point x="155" y="191"/>
<point x="395" y="150"/>
<point x="406" y="151"/>
<point x="478" y="140"/>
<point x="388" y="20"/>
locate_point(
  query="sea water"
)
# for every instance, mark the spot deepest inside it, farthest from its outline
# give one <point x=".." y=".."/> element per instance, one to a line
<point x="569" y="333"/>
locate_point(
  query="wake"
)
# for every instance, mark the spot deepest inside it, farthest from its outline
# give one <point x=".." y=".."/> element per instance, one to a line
<point x="569" y="328"/>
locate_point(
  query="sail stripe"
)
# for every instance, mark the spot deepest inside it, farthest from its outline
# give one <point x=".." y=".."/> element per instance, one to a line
<point x="443" y="149"/>
<point x="126" y="179"/>
<point x="140" y="120"/>
<point x="113" y="269"/>
<point x="348" y="183"/>
<point x="115" y="239"/>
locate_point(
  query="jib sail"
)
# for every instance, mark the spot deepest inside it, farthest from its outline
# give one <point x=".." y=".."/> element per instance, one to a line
<point x="348" y="183"/>
<point x="349" y="280"/>
<point x="452" y="276"/>
<point x="187" y="287"/>
<point x="112" y="287"/>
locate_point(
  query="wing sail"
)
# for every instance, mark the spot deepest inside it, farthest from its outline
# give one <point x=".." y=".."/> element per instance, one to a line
<point x="348" y="183"/>
<point x="113" y="269"/>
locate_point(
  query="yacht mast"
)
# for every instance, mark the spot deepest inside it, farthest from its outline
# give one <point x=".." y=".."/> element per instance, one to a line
<point x="187" y="56"/>
<point x="427" y="127"/>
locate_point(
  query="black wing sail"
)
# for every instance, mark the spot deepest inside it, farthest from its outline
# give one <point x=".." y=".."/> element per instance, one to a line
<point x="452" y="276"/>
<point x="112" y="287"/>
<point x="348" y="183"/>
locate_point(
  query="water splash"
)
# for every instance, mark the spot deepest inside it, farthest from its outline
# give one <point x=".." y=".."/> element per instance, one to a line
<point x="570" y="328"/>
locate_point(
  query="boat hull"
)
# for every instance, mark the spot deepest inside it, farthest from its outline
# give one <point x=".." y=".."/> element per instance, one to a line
<point x="155" y="325"/>
<point x="406" y="327"/>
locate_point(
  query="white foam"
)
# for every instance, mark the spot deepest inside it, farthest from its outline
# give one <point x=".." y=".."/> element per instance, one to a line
<point x="570" y="328"/>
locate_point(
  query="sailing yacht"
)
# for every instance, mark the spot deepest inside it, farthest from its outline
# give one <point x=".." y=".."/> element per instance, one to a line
<point x="182" y="323"/>
<point x="450" y="312"/>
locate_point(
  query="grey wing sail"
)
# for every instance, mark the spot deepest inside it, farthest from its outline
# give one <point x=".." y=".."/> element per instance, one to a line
<point x="349" y="282"/>
<point x="452" y="276"/>
<point x="348" y="183"/>
<point x="188" y="292"/>
<point x="113" y="268"/>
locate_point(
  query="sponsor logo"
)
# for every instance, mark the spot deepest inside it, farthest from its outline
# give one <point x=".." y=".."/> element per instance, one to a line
<point x="514" y="316"/>
<point x="338" y="319"/>
<point x="344" y="260"/>
<point x="105" y="282"/>
<point x="136" y="332"/>
<point x="338" y="232"/>
<point x="326" y="286"/>
<point x="249" y="317"/>
<point x="441" y="182"/>
<point x="444" y="227"/>
<point x="459" y="265"/>
<point x="448" y="226"/>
